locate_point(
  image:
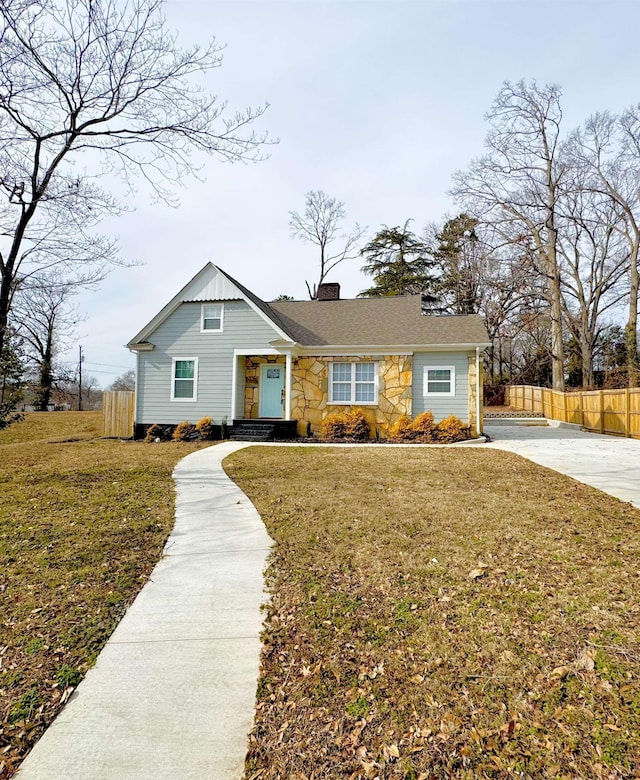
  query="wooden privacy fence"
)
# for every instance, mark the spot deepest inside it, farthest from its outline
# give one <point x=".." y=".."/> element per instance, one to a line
<point x="117" y="413"/>
<point x="604" y="411"/>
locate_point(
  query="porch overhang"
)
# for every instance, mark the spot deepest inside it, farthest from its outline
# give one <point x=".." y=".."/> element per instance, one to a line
<point x="278" y="347"/>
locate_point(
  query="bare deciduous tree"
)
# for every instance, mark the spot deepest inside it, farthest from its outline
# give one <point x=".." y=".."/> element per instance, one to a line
<point x="516" y="186"/>
<point x="45" y="321"/>
<point x="594" y="262"/>
<point x="608" y="149"/>
<point x="126" y="381"/>
<point x="93" y="91"/>
<point x="321" y="224"/>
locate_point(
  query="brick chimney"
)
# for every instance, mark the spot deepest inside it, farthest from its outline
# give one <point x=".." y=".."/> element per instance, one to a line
<point x="329" y="291"/>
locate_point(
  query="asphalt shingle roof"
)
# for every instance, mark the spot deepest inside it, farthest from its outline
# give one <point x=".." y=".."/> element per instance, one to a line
<point x="371" y="321"/>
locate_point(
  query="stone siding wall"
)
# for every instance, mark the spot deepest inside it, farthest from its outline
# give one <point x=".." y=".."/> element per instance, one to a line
<point x="310" y="391"/>
<point x="475" y="428"/>
<point x="252" y="383"/>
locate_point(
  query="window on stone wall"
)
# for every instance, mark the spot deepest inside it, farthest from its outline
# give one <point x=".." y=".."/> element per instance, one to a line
<point x="353" y="383"/>
<point x="439" y="380"/>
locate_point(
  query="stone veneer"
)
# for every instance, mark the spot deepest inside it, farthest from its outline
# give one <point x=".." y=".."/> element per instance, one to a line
<point x="252" y="383"/>
<point x="310" y="391"/>
<point x="472" y="393"/>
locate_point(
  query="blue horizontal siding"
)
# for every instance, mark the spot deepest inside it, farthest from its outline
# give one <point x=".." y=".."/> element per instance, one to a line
<point x="442" y="406"/>
<point x="179" y="336"/>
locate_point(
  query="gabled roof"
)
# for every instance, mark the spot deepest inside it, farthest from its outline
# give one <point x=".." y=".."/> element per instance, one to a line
<point x="364" y="322"/>
<point x="387" y="321"/>
<point x="267" y="310"/>
<point x="210" y="284"/>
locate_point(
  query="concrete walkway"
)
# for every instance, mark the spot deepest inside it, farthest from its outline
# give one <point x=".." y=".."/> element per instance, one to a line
<point x="609" y="463"/>
<point x="173" y="691"/>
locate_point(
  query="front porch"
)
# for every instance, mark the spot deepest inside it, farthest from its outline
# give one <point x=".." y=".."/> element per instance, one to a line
<point x="262" y="389"/>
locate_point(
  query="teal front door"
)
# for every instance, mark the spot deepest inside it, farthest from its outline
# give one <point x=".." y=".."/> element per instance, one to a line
<point x="271" y="390"/>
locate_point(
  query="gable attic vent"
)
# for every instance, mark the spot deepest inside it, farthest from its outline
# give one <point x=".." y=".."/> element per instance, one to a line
<point x="329" y="291"/>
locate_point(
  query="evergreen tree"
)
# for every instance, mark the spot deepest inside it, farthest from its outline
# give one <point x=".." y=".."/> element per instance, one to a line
<point x="459" y="254"/>
<point x="11" y="382"/>
<point x="400" y="264"/>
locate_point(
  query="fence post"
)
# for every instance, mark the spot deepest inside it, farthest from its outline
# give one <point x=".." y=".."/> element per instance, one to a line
<point x="627" y="412"/>
<point x="601" y="411"/>
<point x="564" y="408"/>
<point x="581" y="409"/>
<point x="547" y="401"/>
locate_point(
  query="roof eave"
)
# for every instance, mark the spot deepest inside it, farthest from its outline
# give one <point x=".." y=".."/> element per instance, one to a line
<point x="392" y="349"/>
<point x="141" y="346"/>
<point x="166" y="310"/>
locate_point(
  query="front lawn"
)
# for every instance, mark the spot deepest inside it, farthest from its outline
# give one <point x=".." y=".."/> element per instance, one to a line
<point x="82" y="523"/>
<point x="443" y="614"/>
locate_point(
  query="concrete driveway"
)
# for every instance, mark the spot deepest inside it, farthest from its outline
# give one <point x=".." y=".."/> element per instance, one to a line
<point x="608" y="463"/>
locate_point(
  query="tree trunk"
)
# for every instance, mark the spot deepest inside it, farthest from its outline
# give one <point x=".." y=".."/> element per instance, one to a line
<point x="586" y="358"/>
<point x="557" y="344"/>
<point x="5" y="305"/>
<point x="491" y="362"/>
<point x="631" y="331"/>
<point x="46" y="374"/>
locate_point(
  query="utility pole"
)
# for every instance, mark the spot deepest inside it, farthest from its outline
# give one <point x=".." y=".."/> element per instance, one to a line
<point x="80" y="359"/>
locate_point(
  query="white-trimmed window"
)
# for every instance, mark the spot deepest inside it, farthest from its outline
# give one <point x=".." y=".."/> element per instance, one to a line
<point x="184" y="379"/>
<point x="439" y="380"/>
<point x="353" y="383"/>
<point x="211" y="317"/>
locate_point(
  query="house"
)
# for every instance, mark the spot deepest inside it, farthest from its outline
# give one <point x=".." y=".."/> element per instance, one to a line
<point x="217" y="350"/>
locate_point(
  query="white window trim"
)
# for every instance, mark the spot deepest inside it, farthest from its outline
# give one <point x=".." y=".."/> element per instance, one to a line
<point x="211" y="330"/>
<point x="195" y="379"/>
<point x="331" y="402"/>
<point x="425" y="379"/>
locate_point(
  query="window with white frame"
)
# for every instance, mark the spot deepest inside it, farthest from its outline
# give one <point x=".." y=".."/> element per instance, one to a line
<point x="439" y="380"/>
<point x="353" y="383"/>
<point x="184" y="379"/>
<point x="211" y="317"/>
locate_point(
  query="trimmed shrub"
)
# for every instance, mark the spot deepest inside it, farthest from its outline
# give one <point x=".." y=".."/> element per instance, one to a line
<point x="154" y="432"/>
<point x="452" y="429"/>
<point x="402" y="430"/>
<point x="350" y="425"/>
<point x="334" y="426"/>
<point x="205" y="428"/>
<point x="357" y="425"/>
<point x="184" y="431"/>
<point x="424" y="428"/>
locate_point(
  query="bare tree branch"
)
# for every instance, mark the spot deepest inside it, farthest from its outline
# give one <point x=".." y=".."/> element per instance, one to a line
<point x="516" y="186"/>
<point x="100" y="83"/>
<point x="321" y="224"/>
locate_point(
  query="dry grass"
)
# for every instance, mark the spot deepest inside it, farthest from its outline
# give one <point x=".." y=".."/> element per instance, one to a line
<point x="82" y="523"/>
<point x="443" y="614"/>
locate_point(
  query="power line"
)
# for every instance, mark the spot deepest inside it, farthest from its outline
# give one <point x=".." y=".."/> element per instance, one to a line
<point x="107" y="365"/>
<point x="97" y="371"/>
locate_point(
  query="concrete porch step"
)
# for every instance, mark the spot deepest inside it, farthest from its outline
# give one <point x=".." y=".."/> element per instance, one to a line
<point x="526" y="421"/>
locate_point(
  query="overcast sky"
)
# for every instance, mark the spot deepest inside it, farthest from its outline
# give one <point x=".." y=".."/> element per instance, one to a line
<point x="376" y="103"/>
